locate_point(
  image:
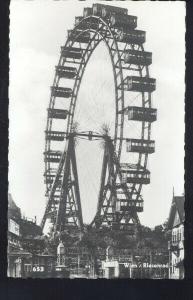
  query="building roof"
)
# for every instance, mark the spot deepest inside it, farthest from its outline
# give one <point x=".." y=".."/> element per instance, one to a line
<point x="13" y="210"/>
<point x="180" y="206"/>
<point x="177" y="207"/>
<point x="20" y="252"/>
<point x="30" y="229"/>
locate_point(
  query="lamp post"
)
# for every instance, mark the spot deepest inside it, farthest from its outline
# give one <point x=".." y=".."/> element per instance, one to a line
<point x="60" y="254"/>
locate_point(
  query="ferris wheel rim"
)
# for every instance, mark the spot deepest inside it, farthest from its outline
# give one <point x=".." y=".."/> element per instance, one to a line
<point x="56" y="81"/>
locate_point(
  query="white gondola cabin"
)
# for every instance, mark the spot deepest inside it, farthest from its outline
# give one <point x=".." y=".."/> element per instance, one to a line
<point x="52" y="156"/>
<point x="126" y="205"/>
<point x="136" y="176"/>
<point x="55" y="135"/>
<point x="140" y="146"/>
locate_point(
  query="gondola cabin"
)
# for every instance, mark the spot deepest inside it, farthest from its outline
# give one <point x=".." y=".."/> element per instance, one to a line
<point x="50" y="175"/>
<point x="144" y="114"/>
<point x="79" y="36"/>
<point x="139" y="84"/>
<point x="126" y="205"/>
<point x="137" y="57"/>
<point x="87" y="12"/>
<point x="135" y="176"/>
<point x="140" y="146"/>
<point x="108" y="11"/>
<point x="78" y="20"/>
<point x="66" y="72"/>
<point x="131" y="36"/>
<point x="61" y="92"/>
<point x="124" y="21"/>
<point x="71" y="52"/>
<point x="52" y="156"/>
<point x="87" y="23"/>
<point x="55" y="135"/>
<point x="57" y="113"/>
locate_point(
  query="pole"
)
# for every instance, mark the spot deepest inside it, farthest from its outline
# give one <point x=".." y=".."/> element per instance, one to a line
<point x="78" y="263"/>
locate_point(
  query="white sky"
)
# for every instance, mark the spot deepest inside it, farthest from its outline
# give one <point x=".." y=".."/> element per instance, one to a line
<point x="37" y="30"/>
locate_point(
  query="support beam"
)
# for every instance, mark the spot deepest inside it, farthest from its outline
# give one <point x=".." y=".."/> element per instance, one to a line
<point x="68" y="206"/>
<point x="111" y="177"/>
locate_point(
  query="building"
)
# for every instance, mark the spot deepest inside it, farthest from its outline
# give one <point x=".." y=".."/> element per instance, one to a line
<point x="176" y="243"/>
<point x="75" y="261"/>
<point x="16" y="253"/>
<point x="135" y="263"/>
<point x="14" y="248"/>
<point x="24" y="245"/>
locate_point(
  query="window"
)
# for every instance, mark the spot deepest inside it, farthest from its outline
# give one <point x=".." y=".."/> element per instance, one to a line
<point x="27" y="268"/>
<point x="182" y="233"/>
<point x="180" y="238"/>
<point x="173" y="236"/>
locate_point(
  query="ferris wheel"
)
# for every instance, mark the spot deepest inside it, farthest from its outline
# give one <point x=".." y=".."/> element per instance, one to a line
<point x="126" y="146"/>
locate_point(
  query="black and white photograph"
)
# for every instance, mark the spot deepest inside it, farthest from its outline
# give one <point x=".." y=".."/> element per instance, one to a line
<point x="96" y="139"/>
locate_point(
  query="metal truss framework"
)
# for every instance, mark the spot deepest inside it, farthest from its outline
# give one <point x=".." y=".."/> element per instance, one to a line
<point x="120" y="192"/>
